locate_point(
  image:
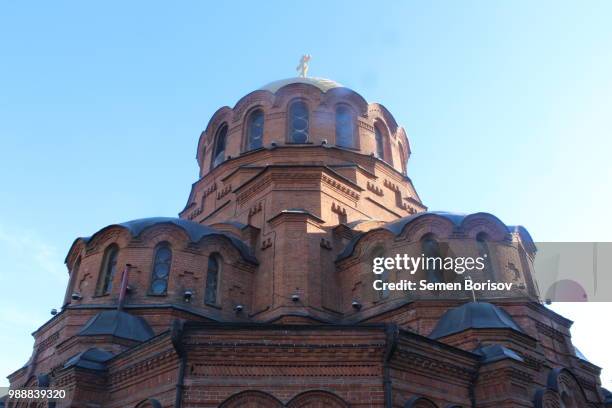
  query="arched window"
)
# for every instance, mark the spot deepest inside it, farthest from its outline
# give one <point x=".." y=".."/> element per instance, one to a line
<point x="344" y="126"/>
<point x="255" y="127"/>
<point x="432" y="264"/>
<point x="298" y="122"/>
<point x="484" y="252"/>
<point x="219" y="151"/>
<point x="73" y="276"/>
<point x="107" y="272"/>
<point x="161" y="269"/>
<point x="211" y="293"/>
<point x="380" y="142"/>
<point x="384" y="276"/>
<point x="402" y="156"/>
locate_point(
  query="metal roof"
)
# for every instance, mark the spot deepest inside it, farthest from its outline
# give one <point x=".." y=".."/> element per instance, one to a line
<point x="194" y="230"/>
<point x="119" y="324"/>
<point x="93" y="359"/>
<point x="473" y="315"/>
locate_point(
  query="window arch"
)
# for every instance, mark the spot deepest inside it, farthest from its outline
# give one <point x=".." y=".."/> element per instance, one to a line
<point x="402" y="156"/>
<point x="298" y="122"/>
<point x="345" y="127"/>
<point x="162" y="260"/>
<point x="380" y="142"/>
<point x="107" y="272"/>
<point x="211" y="292"/>
<point x="379" y="252"/>
<point x="71" y="281"/>
<point x="484" y="251"/>
<point x="432" y="265"/>
<point x="218" y="156"/>
<point x="255" y="128"/>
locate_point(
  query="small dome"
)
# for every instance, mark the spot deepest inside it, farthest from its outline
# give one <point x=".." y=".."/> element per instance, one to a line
<point x="195" y="231"/>
<point x="473" y="315"/>
<point x="92" y="359"/>
<point x="323" y="84"/>
<point x="496" y="352"/>
<point x="119" y="324"/>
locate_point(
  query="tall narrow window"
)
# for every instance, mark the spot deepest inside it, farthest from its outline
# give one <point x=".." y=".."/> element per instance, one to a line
<point x="219" y="151"/>
<point x="432" y="264"/>
<point x="384" y="276"/>
<point x="483" y="251"/>
<point x="161" y="269"/>
<point x="402" y="156"/>
<point x="255" y="127"/>
<point x="107" y="272"/>
<point x="298" y="122"/>
<point x="380" y="143"/>
<point x="73" y="276"/>
<point x="211" y="293"/>
<point x="344" y="127"/>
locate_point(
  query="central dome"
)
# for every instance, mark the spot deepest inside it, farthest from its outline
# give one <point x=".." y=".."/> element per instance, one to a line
<point x="323" y="84"/>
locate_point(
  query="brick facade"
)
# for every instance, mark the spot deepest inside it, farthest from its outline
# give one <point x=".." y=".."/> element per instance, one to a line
<point x="268" y="299"/>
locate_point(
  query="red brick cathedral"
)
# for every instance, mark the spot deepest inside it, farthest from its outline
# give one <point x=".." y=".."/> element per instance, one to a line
<point x="260" y="295"/>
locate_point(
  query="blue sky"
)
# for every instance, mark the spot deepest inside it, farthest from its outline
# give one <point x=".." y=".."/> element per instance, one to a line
<point x="508" y="107"/>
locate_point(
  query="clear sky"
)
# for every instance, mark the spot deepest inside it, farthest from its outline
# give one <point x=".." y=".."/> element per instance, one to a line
<point x="508" y="107"/>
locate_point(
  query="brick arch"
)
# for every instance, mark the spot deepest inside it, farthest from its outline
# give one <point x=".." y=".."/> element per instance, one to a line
<point x="565" y="383"/>
<point x="476" y="223"/>
<point x="317" y="399"/>
<point x="420" y="402"/>
<point x="149" y="403"/>
<point x="251" y="399"/>
<point x="546" y="398"/>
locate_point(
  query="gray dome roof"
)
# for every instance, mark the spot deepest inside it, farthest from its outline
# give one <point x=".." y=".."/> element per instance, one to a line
<point x="119" y="324"/>
<point x="323" y="84"/>
<point x="473" y="315"/>
<point x="194" y="230"/>
<point x="396" y="227"/>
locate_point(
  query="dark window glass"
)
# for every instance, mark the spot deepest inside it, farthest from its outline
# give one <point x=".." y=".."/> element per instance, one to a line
<point x="384" y="276"/>
<point x="402" y="158"/>
<point x="380" y="144"/>
<point x="433" y="262"/>
<point x="219" y="152"/>
<point x="212" y="280"/>
<point x="161" y="270"/>
<point x="483" y="251"/>
<point x="298" y="123"/>
<point x="73" y="276"/>
<point x="344" y="127"/>
<point x="109" y="267"/>
<point x="255" y="129"/>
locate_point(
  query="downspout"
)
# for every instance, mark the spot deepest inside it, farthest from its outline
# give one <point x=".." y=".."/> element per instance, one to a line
<point x="391" y="336"/>
<point x="472" y="387"/>
<point x="177" y="342"/>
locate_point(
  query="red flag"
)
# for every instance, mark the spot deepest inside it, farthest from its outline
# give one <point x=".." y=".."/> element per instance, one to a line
<point x="124" y="286"/>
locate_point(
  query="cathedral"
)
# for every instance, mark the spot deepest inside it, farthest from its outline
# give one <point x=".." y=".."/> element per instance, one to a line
<point x="260" y="293"/>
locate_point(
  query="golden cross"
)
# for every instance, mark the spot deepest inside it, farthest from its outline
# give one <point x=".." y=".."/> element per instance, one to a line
<point x="302" y="67"/>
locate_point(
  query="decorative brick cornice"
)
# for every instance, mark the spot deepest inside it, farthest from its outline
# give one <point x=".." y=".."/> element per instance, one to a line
<point x="256" y="209"/>
<point x="263" y="369"/>
<point x="365" y="125"/>
<point x="375" y="189"/>
<point x="341" y="187"/>
<point x="550" y="332"/>
<point x="48" y="342"/>
<point x="433" y="365"/>
<point x="338" y="209"/>
<point x="223" y="192"/>
<point x="266" y="243"/>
